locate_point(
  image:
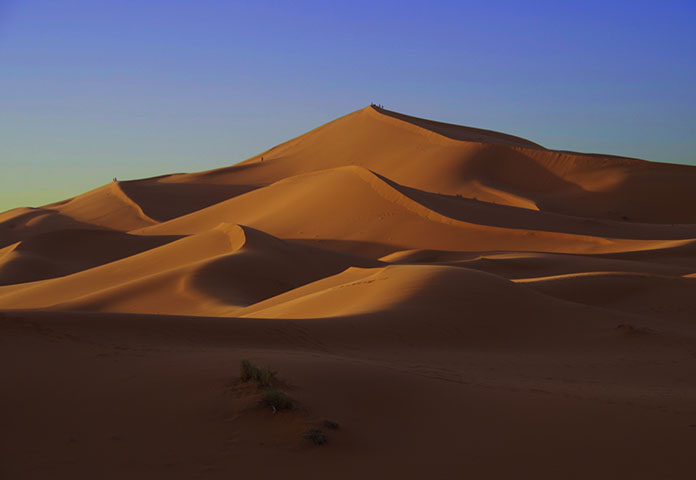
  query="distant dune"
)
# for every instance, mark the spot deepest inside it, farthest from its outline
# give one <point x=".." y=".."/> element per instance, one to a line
<point x="464" y="303"/>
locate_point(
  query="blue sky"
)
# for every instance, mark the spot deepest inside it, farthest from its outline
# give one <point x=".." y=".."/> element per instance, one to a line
<point x="94" y="89"/>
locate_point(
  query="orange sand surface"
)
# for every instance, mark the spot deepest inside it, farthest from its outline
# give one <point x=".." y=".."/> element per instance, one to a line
<point x="463" y="303"/>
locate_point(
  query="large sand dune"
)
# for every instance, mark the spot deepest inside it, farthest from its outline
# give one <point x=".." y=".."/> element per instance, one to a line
<point x="465" y="303"/>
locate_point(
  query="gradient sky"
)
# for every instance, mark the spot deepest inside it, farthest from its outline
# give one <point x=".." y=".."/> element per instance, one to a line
<point x="94" y="89"/>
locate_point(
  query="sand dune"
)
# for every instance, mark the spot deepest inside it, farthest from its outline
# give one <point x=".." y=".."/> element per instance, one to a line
<point x="207" y="274"/>
<point x="433" y="305"/>
<point x="106" y="206"/>
<point x="650" y="295"/>
<point x="375" y="219"/>
<point x="463" y="302"/>
<point x="488" y="168"/>
<point x="519" y="265"/>
<point x="175" y="254"/>
<point x="458" y="132"/>
<point x="61" y="252"/>
<point x="183" y="195"/>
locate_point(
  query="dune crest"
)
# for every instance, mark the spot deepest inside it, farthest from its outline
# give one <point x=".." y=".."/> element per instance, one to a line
<point x="458" y="132"/>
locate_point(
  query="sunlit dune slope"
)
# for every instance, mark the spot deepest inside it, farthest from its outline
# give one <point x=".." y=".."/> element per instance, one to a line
<point x="106" y="207"/>
<point x="66" y="251"/>
<point x="207" y="274"/>
<point x="171" y="196"/>
<point x="368" y="216"/>
<point x="435" y="305"/>
<point x="373" y="183"/>
<point x="488" y="166"/>
<point x="157" y="260"/>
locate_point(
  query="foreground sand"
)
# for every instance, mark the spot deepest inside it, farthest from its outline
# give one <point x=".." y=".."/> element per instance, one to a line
<point x="464" y="303"/>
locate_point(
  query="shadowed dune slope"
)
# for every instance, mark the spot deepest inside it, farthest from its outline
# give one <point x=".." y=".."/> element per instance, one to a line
<point x="104" y="208"/>
<point x="147" y="396"/>
<point x="519" y="265"/>
<point x="492" y="214"/>
<point x="207" y="274"/>
<point x="171" y="196"/>
<point x="458" y="132"/>
<point x="352" y="204"/>
<point x="649" y="295"/>
<point x="187" y="250"/>
<point x="22" y="223"/>
<point x="66" y="251"/>
<point x="518" y="174"/>
<point x="435" y="305"/>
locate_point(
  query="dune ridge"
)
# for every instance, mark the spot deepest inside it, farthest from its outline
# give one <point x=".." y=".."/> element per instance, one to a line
<point x="300" y="207"/>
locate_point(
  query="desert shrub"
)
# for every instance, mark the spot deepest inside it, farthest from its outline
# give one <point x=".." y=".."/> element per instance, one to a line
<point x="247" y="371"/>
<point x="277" y="400"/>
<point x="266" y="377"/>
<point x="250" y="372"/>
<point x="331" y="424"/>
<point x="316" y="436"/>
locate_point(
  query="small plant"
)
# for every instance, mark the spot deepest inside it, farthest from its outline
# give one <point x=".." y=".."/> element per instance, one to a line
<point x="331" y="424"/>
<point x="266" y="377"/>
<point x="247" y="371"/>
<point x="277" y="400"/>
<point x="250" y="372"/>
<point x="316" y="436"/>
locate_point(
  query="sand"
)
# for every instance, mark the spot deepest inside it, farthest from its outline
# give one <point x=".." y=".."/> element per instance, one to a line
<point x="464" y="303"/>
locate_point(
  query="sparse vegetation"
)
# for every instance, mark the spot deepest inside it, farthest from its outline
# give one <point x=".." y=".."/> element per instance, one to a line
<point x="331" y="424"/>
<point x="246" y="370"/>
<point x="266" y="379"/>
<point x="316" y="436"/>
<point x="277" y="400"/>
<point x="264" y="376"/>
